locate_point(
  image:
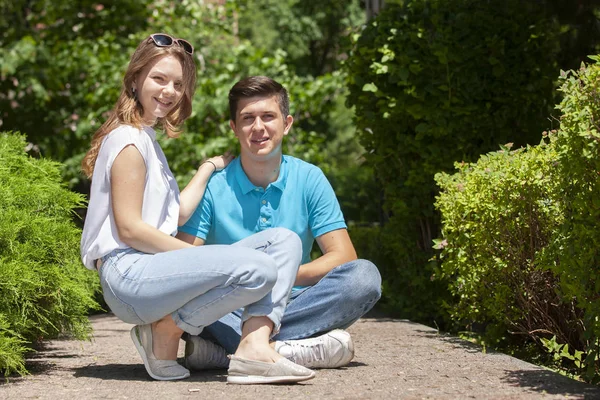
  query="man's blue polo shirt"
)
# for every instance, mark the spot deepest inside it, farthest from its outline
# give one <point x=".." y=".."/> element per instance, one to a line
<point x="301" y="199"/>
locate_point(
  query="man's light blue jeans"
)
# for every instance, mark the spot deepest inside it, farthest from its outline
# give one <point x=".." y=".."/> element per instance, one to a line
<point x="338" y="300"/>
<point x="199" y="285"/>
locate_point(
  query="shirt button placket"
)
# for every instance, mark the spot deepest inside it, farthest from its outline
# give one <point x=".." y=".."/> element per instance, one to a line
<point x="265" y="221"/>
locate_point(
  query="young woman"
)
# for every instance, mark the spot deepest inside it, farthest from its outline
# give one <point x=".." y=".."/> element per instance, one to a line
<point x="150" y="278"/>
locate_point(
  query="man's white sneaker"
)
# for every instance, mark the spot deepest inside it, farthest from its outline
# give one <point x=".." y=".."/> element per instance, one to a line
<point x="204" y="354"/>
<point x="331" y="350"/>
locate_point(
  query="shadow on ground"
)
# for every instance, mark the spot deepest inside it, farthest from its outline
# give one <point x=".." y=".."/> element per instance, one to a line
<point x="550" y="382"/>
<point x="136" y="372"/>
<point x="42" y="360"/>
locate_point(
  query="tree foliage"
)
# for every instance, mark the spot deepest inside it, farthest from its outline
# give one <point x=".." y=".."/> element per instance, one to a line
<point x="579" y="29"/>
<point x="313" y="33"/>
<point x="61" y="71"/>
<point x="60" y="65"/>
<point x="439" y="81"/>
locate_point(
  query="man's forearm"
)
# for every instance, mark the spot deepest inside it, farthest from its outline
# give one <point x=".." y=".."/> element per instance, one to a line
<point x="314" y="271"/>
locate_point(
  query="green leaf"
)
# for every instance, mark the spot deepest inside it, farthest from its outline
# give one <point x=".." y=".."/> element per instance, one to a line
<point x="369" y="87"/>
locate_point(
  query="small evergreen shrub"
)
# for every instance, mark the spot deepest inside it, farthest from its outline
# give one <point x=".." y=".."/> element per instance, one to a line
<point x="44" y="289"/>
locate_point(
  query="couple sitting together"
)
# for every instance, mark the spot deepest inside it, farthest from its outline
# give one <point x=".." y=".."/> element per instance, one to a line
<point x="225" y="264"/>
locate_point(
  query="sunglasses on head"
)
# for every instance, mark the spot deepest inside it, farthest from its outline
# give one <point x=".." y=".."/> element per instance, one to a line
<point x="164" y="40"/>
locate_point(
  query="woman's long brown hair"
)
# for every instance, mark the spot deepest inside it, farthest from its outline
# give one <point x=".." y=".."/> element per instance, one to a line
<point x="129" y="111"/>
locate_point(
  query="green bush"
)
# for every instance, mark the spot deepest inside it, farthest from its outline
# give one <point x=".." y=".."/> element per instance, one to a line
<point x="575" y="248"/>
<point x="44" y="290"/>
<point x="520" y="234"/>
<point x="433" y="82"/>
<point x="498" y="215"/>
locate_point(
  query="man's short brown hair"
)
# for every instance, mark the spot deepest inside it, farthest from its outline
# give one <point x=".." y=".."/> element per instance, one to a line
<point x="258" y="86"/>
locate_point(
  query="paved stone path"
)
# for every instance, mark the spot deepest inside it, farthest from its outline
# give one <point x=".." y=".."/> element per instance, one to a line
<point x="395" y="359"/>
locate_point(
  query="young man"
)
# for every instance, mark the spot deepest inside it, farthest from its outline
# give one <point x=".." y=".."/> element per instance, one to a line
<point x="262" y="189"/>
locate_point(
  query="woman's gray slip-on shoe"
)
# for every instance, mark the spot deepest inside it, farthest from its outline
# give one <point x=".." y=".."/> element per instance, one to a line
<point x="162" y="370"/>
<point x="249" y="372"/>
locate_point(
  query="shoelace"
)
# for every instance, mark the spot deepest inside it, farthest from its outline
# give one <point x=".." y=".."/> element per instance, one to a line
<point x="306" y="355"/>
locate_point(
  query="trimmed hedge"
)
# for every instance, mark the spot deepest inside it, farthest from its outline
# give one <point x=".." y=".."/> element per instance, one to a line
<point x="575" y="251"/>
<point x="44" y="290"/>
<point x="498" y="214"/>
<point x="520" y="237"/>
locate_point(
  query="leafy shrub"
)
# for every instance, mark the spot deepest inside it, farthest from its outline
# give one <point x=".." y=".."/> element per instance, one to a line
<point x="44" y="290"/>
<point x="433" y="82"/>
<point x="520" y="233"/>
<point x="576" y="245"/>
<point x="498" y="214"/>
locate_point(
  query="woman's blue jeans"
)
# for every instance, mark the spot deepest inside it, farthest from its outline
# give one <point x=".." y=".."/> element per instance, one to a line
<point x="199" y="285"/>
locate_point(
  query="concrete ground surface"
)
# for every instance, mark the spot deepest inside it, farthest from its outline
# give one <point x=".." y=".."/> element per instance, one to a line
<point x="395" y="359"/>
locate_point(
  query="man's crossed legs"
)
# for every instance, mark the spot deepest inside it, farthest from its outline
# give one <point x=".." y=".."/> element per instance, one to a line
<point x="311" y="331"/>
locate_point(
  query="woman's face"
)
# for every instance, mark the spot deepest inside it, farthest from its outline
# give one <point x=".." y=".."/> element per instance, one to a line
<point x="159" y="88"/>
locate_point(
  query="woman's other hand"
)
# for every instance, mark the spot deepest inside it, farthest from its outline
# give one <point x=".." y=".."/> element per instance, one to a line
<point x="192" y="194"/>
<point x="220" y="162"/>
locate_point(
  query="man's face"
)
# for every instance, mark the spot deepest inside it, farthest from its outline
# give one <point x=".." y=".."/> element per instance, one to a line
<point x="260" y="127"/>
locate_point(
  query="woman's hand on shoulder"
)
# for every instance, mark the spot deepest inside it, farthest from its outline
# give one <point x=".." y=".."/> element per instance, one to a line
<point x="194" y="191"/>
<point x="220" y="162"/>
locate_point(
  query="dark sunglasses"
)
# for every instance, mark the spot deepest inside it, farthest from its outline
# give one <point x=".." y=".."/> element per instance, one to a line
<point x="164" y="40"/>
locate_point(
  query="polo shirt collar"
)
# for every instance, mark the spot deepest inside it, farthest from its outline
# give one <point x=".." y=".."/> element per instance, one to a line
<point x="283" y="174"/>
<point x="248" y="186"/>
